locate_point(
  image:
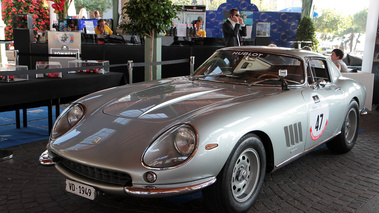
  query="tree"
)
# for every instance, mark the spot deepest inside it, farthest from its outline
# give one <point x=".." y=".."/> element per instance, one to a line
<point x="148" y="18"/>
<point x="357" y="26"/>
<point x="91" y="5"/>
<point x="306" y="31"/>
<point x="328" y="23"/>
<point x="333" y="25"/>
<point x="17" y="9"/>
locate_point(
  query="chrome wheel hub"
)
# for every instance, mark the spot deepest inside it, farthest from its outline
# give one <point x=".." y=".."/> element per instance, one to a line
<point x="241" y="174"/>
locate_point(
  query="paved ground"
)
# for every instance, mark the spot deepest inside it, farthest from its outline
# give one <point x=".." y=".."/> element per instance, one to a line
<point x="318" y="182"/>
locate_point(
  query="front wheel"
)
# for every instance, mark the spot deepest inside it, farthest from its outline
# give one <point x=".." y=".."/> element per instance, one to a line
<point x="345" y="141"/>
<point x="241" y="178"/>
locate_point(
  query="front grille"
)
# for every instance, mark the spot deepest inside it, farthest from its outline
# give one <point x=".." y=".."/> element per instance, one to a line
<point x="99" y="174"/>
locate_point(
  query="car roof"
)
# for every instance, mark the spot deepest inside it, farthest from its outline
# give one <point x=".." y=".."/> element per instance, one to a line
<point x="276" y="50"/>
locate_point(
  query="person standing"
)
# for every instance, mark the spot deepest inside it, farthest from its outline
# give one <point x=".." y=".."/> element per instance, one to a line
<point x="96" y="14"/>
<point x="336" y="57"/>
<point x="233" y="28"/>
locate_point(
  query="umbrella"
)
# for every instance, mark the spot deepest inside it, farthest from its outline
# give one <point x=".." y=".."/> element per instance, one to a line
<point x="296" y="9"/>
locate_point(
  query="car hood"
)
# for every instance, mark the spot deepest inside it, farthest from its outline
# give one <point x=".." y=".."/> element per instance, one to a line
<point x="179" y="96"/>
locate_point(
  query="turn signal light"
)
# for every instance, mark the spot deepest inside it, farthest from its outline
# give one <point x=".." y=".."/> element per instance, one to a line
<point x="211" y="146"/>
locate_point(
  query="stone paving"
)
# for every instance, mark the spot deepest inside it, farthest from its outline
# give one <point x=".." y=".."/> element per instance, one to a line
<point x="318" y="182"/>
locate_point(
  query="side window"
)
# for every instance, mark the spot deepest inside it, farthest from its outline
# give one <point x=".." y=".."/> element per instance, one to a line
<point x="318" y="70"/>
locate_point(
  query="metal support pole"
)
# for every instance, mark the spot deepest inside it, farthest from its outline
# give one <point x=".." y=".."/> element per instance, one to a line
<point x="25" y="117"/>
<point x="77" y="56"/>
<point x="130" y="70"/>
<point x="16" y="57"/>
<point x="192" y="65"/>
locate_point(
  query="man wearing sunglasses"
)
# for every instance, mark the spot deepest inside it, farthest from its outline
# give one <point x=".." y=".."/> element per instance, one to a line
<point x="233" y="29"/>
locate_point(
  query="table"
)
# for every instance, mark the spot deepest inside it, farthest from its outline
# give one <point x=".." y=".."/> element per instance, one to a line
<point x="49" y="91"/>
<point x="367" y="80"/>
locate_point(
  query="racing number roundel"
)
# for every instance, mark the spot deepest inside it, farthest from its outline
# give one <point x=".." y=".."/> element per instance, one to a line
<point x="319" y="116"/>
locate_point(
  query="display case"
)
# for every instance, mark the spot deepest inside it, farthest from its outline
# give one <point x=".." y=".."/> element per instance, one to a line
<point x="90" y="66"/>
<point x="44" y="65"/>
<point x="16" y="77"/>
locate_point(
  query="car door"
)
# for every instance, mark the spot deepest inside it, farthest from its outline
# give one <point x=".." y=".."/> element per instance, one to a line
<point x="322" y="98"/>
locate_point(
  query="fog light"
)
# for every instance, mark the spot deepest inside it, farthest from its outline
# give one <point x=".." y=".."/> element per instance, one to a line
<point x="150" y="177"/>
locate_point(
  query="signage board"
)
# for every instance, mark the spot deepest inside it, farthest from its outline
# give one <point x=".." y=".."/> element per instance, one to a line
<point x="64" y="43"/>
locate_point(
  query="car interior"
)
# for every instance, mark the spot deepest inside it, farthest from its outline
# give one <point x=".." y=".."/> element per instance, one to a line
<point x="317" y="69"/>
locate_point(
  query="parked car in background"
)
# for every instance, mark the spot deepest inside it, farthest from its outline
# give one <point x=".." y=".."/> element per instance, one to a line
<point x="244" y="112"/>
<point x="327" y="53"/>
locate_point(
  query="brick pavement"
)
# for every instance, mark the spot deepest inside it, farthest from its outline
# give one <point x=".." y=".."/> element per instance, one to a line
<point x="318" y="182"/>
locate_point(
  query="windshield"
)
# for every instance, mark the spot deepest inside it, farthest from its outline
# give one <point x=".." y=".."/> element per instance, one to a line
<point x="251" y="68"/>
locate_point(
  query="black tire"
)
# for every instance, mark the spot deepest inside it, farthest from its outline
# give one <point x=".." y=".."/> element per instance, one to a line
<point x="241" y="178"/>
<point x="345" y="141"/>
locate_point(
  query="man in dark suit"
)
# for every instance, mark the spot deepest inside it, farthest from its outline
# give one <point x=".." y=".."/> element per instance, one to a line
<point x="231" y="29"/>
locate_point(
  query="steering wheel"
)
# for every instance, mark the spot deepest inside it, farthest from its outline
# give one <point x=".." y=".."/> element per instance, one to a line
<point x="269" y="74"/>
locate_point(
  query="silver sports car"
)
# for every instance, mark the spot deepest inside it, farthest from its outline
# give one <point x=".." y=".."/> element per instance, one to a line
<point x="244" y="112"/>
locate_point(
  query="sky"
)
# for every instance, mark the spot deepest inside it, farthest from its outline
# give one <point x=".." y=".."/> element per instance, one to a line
<point x="345" y="7"/>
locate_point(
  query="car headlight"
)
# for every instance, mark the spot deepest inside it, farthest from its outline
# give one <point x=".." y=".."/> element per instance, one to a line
<point x="172" y="148"/>
<point x="69" y="118"/>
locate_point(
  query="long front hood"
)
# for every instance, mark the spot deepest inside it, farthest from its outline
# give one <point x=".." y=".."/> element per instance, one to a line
<point x="173" y="98"/>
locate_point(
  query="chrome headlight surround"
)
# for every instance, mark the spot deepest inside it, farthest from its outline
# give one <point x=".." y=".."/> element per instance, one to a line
<point x="67" y="119"/>
<point x="174" y="147"/>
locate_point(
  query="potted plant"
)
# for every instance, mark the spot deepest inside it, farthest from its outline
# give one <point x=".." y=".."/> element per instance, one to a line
<point x="147" y="19"/>
<point x="306" y="32"/>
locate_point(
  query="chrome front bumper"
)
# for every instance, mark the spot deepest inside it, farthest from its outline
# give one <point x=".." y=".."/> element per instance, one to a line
<point x="363" y="111"/>
<point x="45" y="160"/>
<point x="147" y="191"/>
<point x="152" y="191"/>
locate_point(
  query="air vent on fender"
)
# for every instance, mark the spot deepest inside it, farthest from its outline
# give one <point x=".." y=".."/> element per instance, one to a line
<point x="293" y="134"/>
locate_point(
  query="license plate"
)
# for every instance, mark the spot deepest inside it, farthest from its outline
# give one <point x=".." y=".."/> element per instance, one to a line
<point x="80" y="189"/>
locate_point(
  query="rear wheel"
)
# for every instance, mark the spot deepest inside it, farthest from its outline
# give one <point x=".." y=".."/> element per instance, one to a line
<point x="345" y="141"/>
<point x="241" y="179"/>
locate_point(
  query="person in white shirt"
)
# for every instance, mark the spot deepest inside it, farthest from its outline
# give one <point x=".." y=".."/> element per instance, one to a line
<point x="336" y="57"/>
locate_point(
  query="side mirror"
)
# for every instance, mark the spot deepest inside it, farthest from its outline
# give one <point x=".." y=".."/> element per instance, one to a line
<point x="321" y="83"/>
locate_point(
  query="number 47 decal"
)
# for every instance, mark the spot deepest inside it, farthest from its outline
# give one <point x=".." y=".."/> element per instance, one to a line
<point x="319" y="120"/>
